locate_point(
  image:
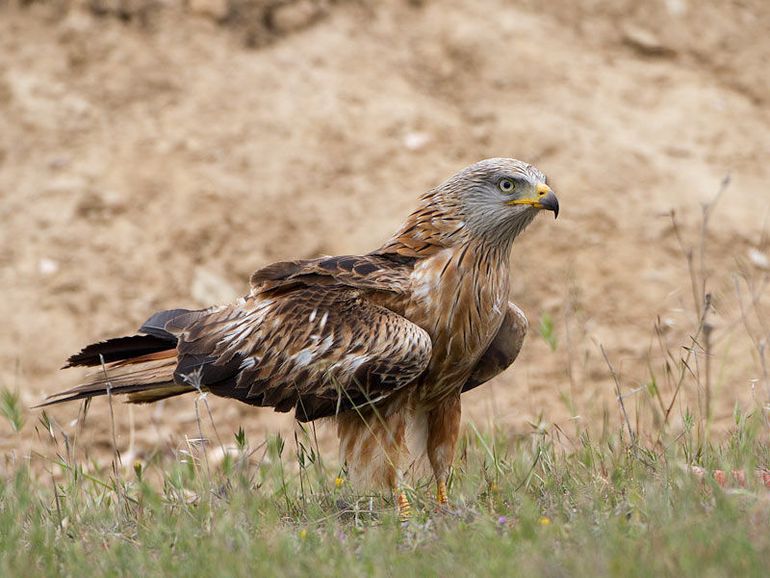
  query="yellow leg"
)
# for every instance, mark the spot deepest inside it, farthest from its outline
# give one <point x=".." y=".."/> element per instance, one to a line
<point x="441" y="495"/>
<point x="443" y="429"/>
<point x="404" y="509"/>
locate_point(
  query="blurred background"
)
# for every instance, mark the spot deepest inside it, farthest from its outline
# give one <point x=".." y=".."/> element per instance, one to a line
<point x="153" y="153"/>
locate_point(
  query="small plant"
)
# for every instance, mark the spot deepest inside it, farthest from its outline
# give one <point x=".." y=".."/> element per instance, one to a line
<point x="548" y="331"/>
<point x="240" y="439"/>
<point x="10" y="407"/>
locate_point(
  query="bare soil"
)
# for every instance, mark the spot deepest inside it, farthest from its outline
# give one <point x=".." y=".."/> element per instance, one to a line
<point x="154" y="154"/>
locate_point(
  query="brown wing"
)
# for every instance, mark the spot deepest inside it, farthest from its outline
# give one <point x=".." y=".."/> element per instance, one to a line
<point x="369" y="272"/>
<point x="503" y="350"/>
<point x="316" y="349"/>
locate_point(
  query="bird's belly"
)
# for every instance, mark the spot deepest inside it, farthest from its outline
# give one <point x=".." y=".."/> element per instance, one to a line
<point x="462" y="312"/>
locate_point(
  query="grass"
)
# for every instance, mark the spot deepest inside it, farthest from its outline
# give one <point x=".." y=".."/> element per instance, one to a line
<point x="548" y="331"/>
<point x="523" y="506"/>
<point x="10" y="409"/>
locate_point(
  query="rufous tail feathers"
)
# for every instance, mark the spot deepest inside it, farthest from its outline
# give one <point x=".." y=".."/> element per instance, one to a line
<point x="140" y="366"/>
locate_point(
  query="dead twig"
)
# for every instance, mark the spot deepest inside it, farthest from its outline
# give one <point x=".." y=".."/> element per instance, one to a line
<point x="616" y="379"/>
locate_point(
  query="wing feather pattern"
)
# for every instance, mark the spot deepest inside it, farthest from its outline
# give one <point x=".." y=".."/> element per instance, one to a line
<point x="317" y="336"/>
<point x="317" y="350"/>
<point x="369" y="272"/>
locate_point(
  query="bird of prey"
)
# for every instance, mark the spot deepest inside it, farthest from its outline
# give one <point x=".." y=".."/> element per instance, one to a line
<point x="378" y="342"/>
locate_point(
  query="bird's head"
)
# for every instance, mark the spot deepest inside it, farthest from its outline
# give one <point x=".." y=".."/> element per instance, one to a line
<point x="498" y="197"/>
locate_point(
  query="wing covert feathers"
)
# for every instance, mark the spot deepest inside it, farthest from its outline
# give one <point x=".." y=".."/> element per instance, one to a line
<point x="313" y="337"/>
<point x="368" y="272"/>
<point x="315" y="350"/>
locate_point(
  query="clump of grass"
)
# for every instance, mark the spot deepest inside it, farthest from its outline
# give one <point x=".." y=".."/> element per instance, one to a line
<point x="521" y="507"/>
<point x="10" y="408"/>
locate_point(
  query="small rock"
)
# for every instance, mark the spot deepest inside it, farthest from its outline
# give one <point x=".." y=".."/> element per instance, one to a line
<point x="759" y="259"/>
<point x="294" y="16"/>
<point x="644" y="41"/>
<point x="676" y="7"/>
<point x="415" y="141"/>
<point x="47" y="266"/>
<point x="99" y="205"/>
<point x="218" y="454"/>
<point x="58" y="162"/>
<point x="215" y="9"/>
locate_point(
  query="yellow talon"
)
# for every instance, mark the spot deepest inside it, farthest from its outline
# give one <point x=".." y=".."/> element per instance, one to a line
<point x="404" y="509"/>
<point x="441" y="494"/>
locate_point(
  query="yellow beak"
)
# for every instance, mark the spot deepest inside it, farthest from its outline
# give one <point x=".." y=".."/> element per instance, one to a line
<point x="544" y="198"/>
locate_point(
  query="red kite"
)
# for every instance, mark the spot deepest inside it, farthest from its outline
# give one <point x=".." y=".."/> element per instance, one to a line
<point x="378" y="342"/>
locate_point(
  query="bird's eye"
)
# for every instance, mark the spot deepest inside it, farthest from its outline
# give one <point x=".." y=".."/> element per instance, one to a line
<point x="506" y="185"/>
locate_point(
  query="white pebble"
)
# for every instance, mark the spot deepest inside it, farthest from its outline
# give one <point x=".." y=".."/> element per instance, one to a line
<point x="759" y="259"/>
<point x="47" y="266"/>
<point x="414" y="141"/>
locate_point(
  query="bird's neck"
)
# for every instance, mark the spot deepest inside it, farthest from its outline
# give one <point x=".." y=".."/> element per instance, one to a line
<point x="460" y="291"/>
<point x="436" y="226"/>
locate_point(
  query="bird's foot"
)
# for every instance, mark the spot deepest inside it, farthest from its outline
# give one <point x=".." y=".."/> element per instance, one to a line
<point x="403" y="506"/>
<point x="441" y="494"/>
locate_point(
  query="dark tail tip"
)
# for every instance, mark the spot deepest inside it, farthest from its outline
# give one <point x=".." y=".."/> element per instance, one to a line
<point x="118" y="349"/>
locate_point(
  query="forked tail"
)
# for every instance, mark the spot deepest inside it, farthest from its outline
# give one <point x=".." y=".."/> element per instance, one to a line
<point x="141" y="366"/>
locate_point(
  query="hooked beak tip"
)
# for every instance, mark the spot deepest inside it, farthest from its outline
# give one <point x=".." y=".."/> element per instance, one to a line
<point x="551" y="203"/>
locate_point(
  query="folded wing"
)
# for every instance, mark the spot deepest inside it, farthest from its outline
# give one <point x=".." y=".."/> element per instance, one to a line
<point x="317" y="350"/>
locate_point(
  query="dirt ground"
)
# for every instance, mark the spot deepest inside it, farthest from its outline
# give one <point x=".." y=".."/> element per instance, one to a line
<point x="153" y="154"/>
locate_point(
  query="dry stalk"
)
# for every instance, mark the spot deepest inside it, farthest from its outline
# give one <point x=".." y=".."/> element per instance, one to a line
<point x="622" y="404"/>
<point x="117" y="462"/>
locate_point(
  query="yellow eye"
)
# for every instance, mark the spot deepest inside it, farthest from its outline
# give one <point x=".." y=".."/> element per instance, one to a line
<point x="506" y="185"/>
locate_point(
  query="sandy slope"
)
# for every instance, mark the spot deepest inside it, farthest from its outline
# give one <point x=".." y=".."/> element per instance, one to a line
<point x="155" y="160"/>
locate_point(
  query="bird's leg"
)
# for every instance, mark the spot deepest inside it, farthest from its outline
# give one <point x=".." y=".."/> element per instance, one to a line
<point x="393" y="446"/>
<point x="443" y="429"/>
<point x="403" y="507"/>
<point x="441" y="496"/>
<point x="372" y="446"/>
